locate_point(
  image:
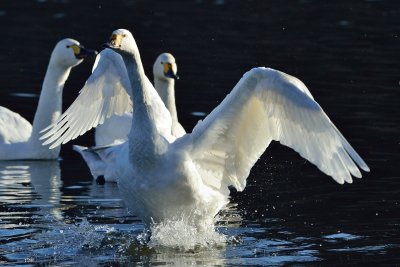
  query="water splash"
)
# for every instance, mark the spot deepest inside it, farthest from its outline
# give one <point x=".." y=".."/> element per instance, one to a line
<point x="182" y="235"/>
<point x="65" y="241"/>
<point x="78" y="241"/>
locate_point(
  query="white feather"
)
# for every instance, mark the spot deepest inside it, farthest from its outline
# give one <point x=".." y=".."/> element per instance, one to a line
<point x="108" y="84"/>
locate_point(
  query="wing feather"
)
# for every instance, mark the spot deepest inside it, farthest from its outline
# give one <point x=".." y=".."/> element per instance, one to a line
<point x="269" y="105"/>
<point x="105" y="93"/>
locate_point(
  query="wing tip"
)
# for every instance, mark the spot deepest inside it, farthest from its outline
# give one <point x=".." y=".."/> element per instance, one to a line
<point x="339" y="180"/>
<point x="365" y="168"/>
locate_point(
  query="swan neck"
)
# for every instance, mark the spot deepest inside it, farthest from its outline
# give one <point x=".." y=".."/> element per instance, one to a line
<point x="166" y="91"/>
<point x="146" y="144"/>
<point x="137" y="79"/>
<point x="50" y="101"/>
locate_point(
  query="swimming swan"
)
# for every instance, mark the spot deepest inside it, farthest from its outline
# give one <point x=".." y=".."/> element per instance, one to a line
<point x="115" y="129"/>
<point x="162" y="177"/>
<point x="18" y="138"/>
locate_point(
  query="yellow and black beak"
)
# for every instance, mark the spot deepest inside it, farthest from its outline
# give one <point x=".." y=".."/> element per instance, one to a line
<point x="82" y="52"/>
<point x="169" y="72"/>
<point x="115" y="41"/>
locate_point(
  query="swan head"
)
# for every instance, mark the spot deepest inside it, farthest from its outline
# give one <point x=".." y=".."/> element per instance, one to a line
<point x="122" y="42"/>
<point x="165" y="67"/>
<point x="69" y="53"/>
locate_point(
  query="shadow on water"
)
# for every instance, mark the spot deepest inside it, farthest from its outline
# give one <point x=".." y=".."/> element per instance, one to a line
<point x="52" y="213"/>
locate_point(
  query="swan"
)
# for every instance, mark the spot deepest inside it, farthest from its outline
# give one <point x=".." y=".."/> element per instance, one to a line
<point x="162" y="177"/>
<point x="164" y="72"/>
<point x="18" y="138"/>
<point x="115" y="129"/>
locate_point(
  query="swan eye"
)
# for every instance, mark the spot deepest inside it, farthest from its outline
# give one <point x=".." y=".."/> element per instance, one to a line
<point x="162" y="63"/>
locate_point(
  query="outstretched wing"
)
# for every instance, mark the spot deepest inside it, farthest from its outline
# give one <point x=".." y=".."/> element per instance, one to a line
<point x="268" y="105"/>
<point x="105" y="93"/>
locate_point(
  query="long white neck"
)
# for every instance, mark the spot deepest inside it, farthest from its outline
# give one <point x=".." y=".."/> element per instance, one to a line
<point x="50" y="100"/>
<point x="134" y="67"/>
<point x="166" y="90"/>
<point x="145" y="142"/>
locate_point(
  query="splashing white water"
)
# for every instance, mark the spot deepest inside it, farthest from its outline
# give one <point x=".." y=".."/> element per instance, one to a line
<point x="179" y="234"/>
<point x="161" y="242"/>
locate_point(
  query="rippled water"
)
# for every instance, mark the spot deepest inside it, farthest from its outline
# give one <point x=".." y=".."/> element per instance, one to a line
<point x="52" y="213"/>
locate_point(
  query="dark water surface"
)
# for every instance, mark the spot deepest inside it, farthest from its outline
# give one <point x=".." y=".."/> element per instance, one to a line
<point x="346" y="52"/>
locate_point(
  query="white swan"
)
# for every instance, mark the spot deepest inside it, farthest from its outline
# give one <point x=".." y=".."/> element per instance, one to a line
<point x="164" y="72"/>
<point x="115" y="129"/>
<point x="18" y="138"/>
<point x="161" y="177"/>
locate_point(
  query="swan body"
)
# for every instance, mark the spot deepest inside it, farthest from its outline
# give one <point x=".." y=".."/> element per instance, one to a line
<point x="163" y="177"/>
<point x="114" y="130"/>
<point x="18" y="138"/>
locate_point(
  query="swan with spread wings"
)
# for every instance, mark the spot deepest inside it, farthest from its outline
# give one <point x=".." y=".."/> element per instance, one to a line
<point x="163" y="177"/>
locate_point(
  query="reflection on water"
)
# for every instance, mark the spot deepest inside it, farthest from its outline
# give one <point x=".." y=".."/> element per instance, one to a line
<point x="33" y="185"/>
<point x="289" y="214"/>
<point x="24" y="95"/>
<point x="48" y="219"/>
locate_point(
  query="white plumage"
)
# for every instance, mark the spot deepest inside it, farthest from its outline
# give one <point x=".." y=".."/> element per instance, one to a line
<point x="115" y="129"/>
<point x="162" y="177"/>
<point x="18" y="138"/>
<point x="106" y="93"/>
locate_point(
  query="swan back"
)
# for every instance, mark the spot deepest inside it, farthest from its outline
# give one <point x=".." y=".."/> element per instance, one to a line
<point x="13" y="127"/>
